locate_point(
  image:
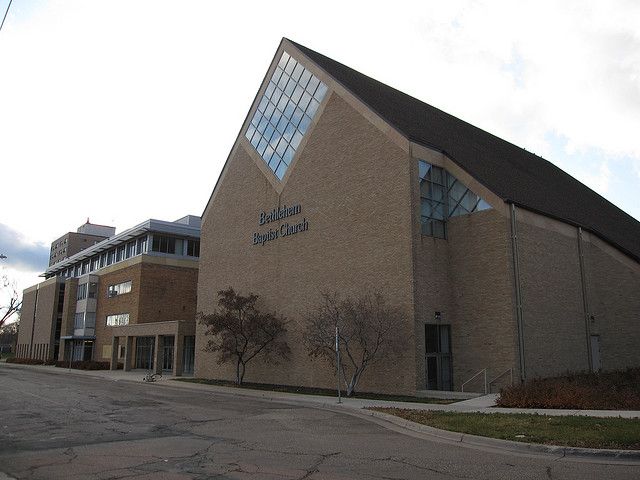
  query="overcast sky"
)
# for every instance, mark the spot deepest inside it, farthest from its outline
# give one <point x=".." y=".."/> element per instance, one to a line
<point x="126" y="110"/>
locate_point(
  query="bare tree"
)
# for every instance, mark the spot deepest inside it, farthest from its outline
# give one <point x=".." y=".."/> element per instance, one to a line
<point x="14" y="302"/>
<point x="367" y="329"/>
<point x="241" y="332"/>
<point x="8" y="337"/>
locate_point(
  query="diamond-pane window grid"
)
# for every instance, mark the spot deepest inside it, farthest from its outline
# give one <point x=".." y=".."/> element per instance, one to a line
<point x="284" y="113"/>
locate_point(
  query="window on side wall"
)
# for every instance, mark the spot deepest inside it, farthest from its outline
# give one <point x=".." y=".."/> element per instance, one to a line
<point x="119" y="289"/>
<point x="443" y="196"/>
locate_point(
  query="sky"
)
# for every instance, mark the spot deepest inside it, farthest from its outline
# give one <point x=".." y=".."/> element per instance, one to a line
<point x="119" y="111"/>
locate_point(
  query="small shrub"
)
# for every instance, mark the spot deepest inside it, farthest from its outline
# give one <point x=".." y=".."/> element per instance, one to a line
<point x="618" y="390"/>
<point x="85" y="365"/>
<point x="25" y="361"/>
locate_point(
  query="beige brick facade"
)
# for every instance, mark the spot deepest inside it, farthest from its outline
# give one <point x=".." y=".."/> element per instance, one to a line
<point x="36" y="334"/>
<point x="359" y="237"/>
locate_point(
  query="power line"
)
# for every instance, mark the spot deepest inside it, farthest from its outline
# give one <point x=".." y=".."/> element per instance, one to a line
<point x="5" y="14"/>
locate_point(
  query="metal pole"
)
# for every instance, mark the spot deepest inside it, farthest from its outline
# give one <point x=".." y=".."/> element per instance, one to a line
<point x="338" y="363"/>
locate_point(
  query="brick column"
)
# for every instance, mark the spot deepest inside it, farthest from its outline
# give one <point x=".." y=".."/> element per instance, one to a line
<point x="64" y="344"/>
<point x="158" y="355"/>
<point x="178" y="344"/>
<point x="115" y="345"/>
<point x="128" y="346"/>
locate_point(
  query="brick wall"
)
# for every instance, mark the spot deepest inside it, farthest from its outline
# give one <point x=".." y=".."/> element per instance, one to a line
<point x="159" y="293"/>
<point x="36" y="335"/>
<point x="353" y="185"/>
<point x="613" y="283"/>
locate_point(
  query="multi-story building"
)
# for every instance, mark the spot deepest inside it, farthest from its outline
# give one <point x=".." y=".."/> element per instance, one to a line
<point x="128" y="299"/>
<point x="503" y="264"/>
<point x="73" y="242"/>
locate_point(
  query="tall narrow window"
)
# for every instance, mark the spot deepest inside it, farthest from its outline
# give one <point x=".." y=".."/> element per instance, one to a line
<point x="285" y="113"/>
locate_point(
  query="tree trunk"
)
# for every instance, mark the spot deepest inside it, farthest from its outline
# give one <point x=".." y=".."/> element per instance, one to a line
<point x="238" y="377"/>
<point x="241" y="370"/>
<point x="351" y="388"/>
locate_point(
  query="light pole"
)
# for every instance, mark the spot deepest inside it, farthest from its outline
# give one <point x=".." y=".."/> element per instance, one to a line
<point x="338" y="363"/>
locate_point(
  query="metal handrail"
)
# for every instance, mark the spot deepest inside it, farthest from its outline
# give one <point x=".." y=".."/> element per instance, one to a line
<point x="509" y="371"/>
<point x="484" y="370"/>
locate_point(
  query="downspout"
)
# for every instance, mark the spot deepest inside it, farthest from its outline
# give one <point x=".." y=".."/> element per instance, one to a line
<point x="585" y="299"/>
<point x="516" y="281"/>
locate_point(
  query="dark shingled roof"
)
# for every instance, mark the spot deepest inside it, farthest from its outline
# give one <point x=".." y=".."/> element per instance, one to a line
<point x="512" y="173"/>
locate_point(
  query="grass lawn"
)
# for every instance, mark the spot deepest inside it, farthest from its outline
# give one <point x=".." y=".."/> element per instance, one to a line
<point x="314" y="391"/>
<point x="573" y="431"/>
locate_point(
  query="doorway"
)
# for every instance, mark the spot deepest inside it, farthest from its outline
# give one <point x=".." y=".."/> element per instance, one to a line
<point x="144" y="352"/>
<point x="188" y="353"/>
<point x="167" y="353"/>
<point x="438" y="364"/>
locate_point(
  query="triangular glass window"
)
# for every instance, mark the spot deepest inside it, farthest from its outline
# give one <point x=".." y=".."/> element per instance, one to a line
<point x="443" y="196"/>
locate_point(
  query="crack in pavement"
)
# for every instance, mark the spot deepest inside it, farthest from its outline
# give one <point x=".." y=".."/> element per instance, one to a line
<point x="315" y="467"/>
<point x="404" y="461"/>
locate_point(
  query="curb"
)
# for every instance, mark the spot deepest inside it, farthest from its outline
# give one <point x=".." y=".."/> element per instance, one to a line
<point x="594" y="455"/>
<point x="561" y="452"/>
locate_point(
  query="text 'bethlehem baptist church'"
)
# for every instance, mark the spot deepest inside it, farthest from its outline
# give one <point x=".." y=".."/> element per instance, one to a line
<point x="285" y="229"/>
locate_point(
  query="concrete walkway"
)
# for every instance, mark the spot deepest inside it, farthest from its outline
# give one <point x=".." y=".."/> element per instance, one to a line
<point x="483" y="404"/>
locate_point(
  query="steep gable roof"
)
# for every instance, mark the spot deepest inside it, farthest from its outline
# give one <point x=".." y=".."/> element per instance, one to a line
<point x="514" y="174"/>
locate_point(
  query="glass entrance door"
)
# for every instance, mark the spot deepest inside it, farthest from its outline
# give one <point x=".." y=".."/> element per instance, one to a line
<point x="167" y="353"/>
<point x="438" y="357"/>
<point x="188" y="353"/>
<point x="144" y="352"/>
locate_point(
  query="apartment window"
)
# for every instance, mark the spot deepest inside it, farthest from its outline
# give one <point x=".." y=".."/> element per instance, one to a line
<point x="92" y="290"/>
<point x="285" y="113"/>
<point x="131" y="249"/>
<point x="193" y="248"/>
<point x="85" y="267"/>
<point x="120" y="253"/>
<point x="103" y="260"/>
<point x="82" y="292"/>
<point x="119" y="289"/>
<point x="163" y="244"/>
<point x="90" y="320"/>
<point x="95" y="263"/>
<point x="111" y="257"/>
<point x="117" y="320"/>
<point x="142" y="245"/>
<point x="78" y="321"/>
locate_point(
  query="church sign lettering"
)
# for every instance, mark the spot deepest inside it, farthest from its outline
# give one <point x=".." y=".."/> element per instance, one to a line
<point x="286" y="229"/>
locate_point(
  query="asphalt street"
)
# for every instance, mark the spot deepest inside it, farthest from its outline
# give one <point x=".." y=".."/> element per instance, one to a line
<point x="79" y="427"/>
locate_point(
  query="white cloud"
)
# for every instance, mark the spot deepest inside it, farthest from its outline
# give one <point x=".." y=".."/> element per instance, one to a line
<point x="122" y="111"/>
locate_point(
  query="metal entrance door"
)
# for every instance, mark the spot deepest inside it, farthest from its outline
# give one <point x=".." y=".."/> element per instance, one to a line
<point x="438" y="357"/>
<point x="144" y="352"/>
<point x="167" y="353"/>
<point x="188" y="353"/>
